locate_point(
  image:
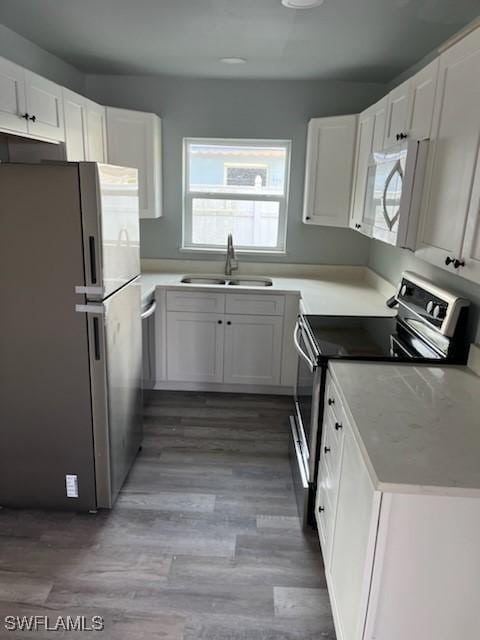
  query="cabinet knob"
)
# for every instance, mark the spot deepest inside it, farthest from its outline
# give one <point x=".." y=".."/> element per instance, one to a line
<point x="229" y="322"/>
<point x="358" y="226"/>
<point x="321" y="509"/>
<point x="338" y="426"/>
<point x="326" y="449"/>
<point x="402" y="136"/>
<point x="449" y="260"/>
<point x="25" y="116"/>
<point x="32" y="118"/>
<point x="331" y="401"/>
<point x="220" y="321"/>
<point x="458" y="263"/>
<point x="307" y="218"/>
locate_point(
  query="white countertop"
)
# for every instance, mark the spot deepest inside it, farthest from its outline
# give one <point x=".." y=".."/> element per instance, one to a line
<point x="349" y="293"/>
<point x="418" y="426"/>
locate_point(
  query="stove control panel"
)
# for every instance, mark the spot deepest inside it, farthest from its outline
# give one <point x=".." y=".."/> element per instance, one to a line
<point x="429" y="303"/>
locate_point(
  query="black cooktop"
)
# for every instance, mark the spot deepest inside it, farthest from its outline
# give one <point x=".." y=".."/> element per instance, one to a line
<point x="352" y="336"/>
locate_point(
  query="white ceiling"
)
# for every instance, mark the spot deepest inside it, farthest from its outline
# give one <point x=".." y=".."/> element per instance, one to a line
<point x="365" y="40"/>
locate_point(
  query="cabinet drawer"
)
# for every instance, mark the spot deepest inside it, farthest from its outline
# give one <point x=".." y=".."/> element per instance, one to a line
<point x="196" y="301"/>
<point x="332" y="399"/>
<point x="325" y="518"/>
<point x="332" y="442"/>
<point x="253" y="304"/>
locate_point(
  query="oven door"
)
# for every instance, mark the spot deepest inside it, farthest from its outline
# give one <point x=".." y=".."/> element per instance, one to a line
<point x="307" y="395"/>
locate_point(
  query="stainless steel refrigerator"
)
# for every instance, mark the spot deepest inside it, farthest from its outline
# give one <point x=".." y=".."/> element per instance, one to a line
<point x="70" y="334"/>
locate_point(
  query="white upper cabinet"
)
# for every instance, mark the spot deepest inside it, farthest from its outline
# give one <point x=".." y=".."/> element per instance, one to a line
<point x="370" y="135"/>
<point x="74" y="109"/>
<point x="423" y="89"/>
<point x="85" y="128"/>
<point x="29" y="104"/>
<point x="328" y="171"/>
<point x="451" y="193"/>
<point x="134" y="140"/>
<point x="410" y="107"/>
<point x="96" y="132"/>
<point x="12" y="98"/>
<point x="397" y="113"/>
<point x="44" y="107"/>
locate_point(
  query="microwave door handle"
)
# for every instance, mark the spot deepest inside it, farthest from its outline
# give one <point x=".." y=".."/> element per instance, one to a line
<point x="311" y="365"/>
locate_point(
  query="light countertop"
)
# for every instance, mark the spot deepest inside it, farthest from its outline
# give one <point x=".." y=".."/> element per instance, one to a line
<point x="349" y="293"/>
<point x="418" y="426"/>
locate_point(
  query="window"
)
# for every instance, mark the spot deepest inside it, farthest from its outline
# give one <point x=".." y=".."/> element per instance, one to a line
<point x="238" y="187"/>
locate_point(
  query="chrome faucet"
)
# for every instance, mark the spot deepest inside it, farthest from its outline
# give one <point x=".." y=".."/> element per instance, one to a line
<point x="231" y="263"/>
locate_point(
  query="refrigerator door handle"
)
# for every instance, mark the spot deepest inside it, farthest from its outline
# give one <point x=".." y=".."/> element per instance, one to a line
<point x="96" y="338"/>
<point x="93" y="259"/>
<point x="97" y="309"/>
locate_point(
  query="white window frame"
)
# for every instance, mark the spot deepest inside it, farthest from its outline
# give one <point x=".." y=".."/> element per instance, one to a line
<point x="188" y="196"/>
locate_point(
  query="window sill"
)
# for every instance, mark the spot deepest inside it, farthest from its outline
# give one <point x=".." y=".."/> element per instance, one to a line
<point x="244" y="252"/>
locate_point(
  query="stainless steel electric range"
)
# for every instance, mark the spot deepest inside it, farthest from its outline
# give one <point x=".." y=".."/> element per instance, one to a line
<point x="430" y="327"/>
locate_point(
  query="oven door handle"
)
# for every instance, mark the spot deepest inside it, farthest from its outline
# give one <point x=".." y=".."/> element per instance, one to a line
<point x="397" y="343"/>
<point x="311" y="364"/>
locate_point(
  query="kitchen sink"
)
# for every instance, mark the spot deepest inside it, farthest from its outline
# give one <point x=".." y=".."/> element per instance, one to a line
<point x="203" y="280"/>
<point x="244" y="281"/>
<point x="251" y="282"/>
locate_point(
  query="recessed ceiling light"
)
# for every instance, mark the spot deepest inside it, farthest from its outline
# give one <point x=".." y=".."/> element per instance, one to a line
<point x="302" y="4"/>
<point x="233" y="60"/>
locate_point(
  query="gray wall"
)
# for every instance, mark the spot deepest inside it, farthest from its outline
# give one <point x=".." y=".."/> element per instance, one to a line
<point x="27" y="54"/>
<point x="239" y="109"/>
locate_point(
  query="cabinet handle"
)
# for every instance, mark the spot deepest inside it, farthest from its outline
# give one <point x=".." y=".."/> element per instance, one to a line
<point x="220" y="321"/>
<point x="32" y="118"/>
<point x="25" y="116"/>
<point x="458" y="263"/>
<point x="321" y="509"/>
<point x="331" y="401"/>
<point x="338" y="426"/>
<point x="326" y="449"/>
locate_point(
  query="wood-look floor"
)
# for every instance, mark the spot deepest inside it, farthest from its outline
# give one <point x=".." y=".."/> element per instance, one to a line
<point x="204" y="542"/>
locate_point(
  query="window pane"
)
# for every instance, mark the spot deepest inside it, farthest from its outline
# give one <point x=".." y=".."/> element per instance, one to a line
<point x="252" y="223"/>
<point x="227" y="168"/>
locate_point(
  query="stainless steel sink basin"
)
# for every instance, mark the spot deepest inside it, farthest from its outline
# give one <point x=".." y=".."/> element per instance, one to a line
<point x="203" y="280"/>
<point x="251" y="282"/>
<point x="240" y="281"/>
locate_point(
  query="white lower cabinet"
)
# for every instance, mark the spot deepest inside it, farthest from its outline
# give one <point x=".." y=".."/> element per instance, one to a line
<point x="253" y="349"/>
<point x="207" y="344"/>
<point x="195" y="347"/>
<point x="399" y="564"/>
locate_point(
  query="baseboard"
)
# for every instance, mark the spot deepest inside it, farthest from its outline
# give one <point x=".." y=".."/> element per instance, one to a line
<point x="224" y="388"/>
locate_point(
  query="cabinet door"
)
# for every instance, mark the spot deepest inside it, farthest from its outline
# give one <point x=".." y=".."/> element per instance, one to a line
<point x="353" y="541"/>
<point x="453" y="153"/>
<point x="45" y="107"/>
<point x="371" y="130"/>
<point x="75" y="126"/>
<point x="195" y="347"/>
<point x="471" y="246"/>
<point x="328" y="171"/>
<point x="134" y="140"/>
<point x="96" y="133"/>
<point x="253" y="349"/>
<point x="12" y="97"/>
<point x="363" y="149"/>
<point x="423" y="87"/>
<point x="398" y="106"/>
